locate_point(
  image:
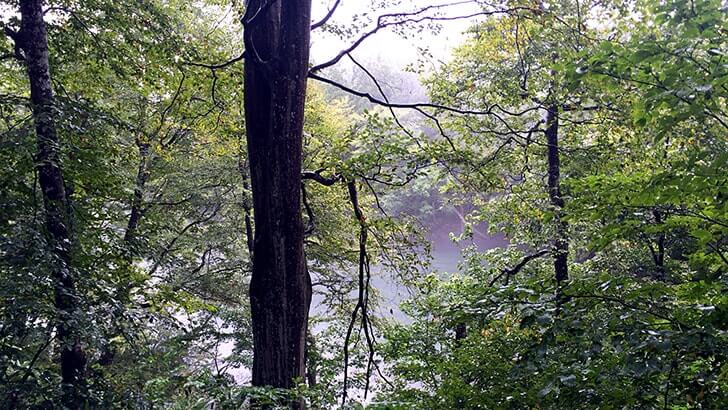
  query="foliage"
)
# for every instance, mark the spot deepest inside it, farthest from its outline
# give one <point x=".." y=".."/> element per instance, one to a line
<point x="156" y="166"/>
<point x="640" y="322"/>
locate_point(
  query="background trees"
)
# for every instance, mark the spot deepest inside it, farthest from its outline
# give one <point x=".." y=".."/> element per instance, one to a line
<point x="627" y="330"/>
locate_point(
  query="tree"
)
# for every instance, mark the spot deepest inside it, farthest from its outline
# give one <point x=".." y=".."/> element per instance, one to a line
<point x="128" y="227"/>
<point x="33" y="40"/>
<point x="120" y="80"/>
<point x="645" y="249"/>
<point x="276" y="68"/>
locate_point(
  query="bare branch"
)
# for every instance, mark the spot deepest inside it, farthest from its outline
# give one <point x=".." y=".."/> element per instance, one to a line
<point x="179" y="235"/>
<point x="508" y="272"/>
<point x="218" y="66"/>
<point x="327" y="17"/>
<point x="414" y="17"/>
<point x="381" y="92"/>
<point x="165" y="112"/>
<point x="316" y="176"/>
<point x="418" y="106"/>
<point x="362" y="303"/>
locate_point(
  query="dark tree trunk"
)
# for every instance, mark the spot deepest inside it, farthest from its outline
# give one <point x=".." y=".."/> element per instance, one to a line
<point x="108" y="353"/>
<point x="312" y="360"/>
<point x="658" y="255"/>
<point x="561" y="240"/>
<point x="276" y="67"/>
<point x="247" y="206"/>
<point x="137" y="201"/>
<point x="34" y="42"/>
<point x="461" y="332"/>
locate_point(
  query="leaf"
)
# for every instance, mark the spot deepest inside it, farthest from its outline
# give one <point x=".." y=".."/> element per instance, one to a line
<point x="703" y="235"/>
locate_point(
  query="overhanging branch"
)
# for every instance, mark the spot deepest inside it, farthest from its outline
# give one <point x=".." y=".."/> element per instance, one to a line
<point x="508" y="272"/>
<point x="414" y="17"/>
<point x="327" y="17"/>
<point x="316" y="176"/>
<point x="418" y="106"/>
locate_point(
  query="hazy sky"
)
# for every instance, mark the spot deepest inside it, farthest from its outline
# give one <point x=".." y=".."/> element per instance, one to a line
<point x="385" y="45"/>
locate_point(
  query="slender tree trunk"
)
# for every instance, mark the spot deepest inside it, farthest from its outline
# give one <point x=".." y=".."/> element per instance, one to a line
<point x="658" y="255"/>
<point x="108" y="353"/>
<point x="561" y="241"/>
<point x="276" y="66"/>
<point x="244" y="170"/>
<point x="461" y="332"/>
<point x="34" y="42"/>
<point x="312" y="361"/>
<point x="137" y="201"/>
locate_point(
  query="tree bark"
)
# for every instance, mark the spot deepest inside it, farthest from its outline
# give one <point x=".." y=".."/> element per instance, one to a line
<point x="658" y="255"/>
<point x="137" y="202"/>
<point x="461" y="332"/>
<point x="130" y="240"/>
<point x="561" y="241"/>
<point x="244" y="170"/>
<point x="34" y="42"/>
<point x="312" y="359"/>
<point x="277" y="51"/>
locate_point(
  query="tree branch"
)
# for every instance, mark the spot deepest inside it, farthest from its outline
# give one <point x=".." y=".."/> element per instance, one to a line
<point x="316" y="176"/>
<point x="418" y="106"/>
<point x="508" y="272"/>
<point x="413" y="17"/>
<point x="218" y="66"/>
<point x="362" y="303"/>
<point x="327" y="17"/>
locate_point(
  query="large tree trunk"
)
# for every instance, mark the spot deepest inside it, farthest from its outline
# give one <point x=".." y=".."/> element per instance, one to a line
<point x="34" y="42"/>
<point x="277" y="45"/>
<point x="561" y="240"/>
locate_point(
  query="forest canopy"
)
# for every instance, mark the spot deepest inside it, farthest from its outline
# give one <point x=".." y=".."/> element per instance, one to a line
<point x="225" y="204"/>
